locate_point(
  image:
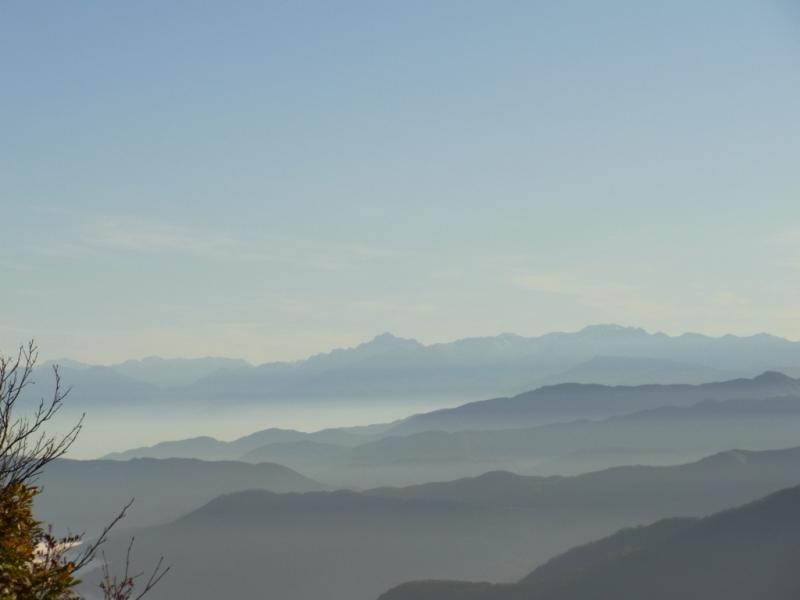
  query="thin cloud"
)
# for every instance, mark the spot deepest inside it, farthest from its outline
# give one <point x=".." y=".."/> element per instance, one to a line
<point x="12" y="265"/>
<point x="789" y="237"/>
<point x="788" y="243"/>
<point x="392" y="307"/>
<point x="146" y="237"/>
<point x="556" y="283"/>
<point x="603" y="294"/>
<point x="134" y="235"/>
<point x="729" y="299"/>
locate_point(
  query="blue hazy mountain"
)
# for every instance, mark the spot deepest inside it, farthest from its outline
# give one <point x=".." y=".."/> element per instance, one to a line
<point x="756" y="423"/>
<point x="158" y="371"/>
<point x="93" y="387"/>
<point x="389" y="367"/>
<point x="649" y="424"/>
<point x="630" y="370"/>
<point x="550" y="404"/>
<point x="86" y="494"/>
<point x="665" y="435"/>
<point x="700" y="487"/>
<point x="738" y="554"/>
<point x="175" y="372"/>
<point x="496" y="527"/>
<point x="569" y="401"/>
<point x="209" y="448"/>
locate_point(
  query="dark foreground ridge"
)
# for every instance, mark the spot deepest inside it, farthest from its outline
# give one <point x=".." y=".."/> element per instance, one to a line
<point x="739" y="554"/>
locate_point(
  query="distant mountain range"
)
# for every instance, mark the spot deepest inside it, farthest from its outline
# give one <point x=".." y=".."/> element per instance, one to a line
<point x="585" y="427"/>
<point x="642" y="492"/>
<point x="496" y="527"/>
<point x="565" y="402"/>
<point x="209" y="448"/>
<point x="631" y="370"/>
<point x="389" y="367"/>
<point x="739" y="554"/>
<point x="163" y="372"/>
<point x="674" y="432"/>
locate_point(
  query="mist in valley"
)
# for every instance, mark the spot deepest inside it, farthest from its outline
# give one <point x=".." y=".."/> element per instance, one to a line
<point x="399" y="301"/>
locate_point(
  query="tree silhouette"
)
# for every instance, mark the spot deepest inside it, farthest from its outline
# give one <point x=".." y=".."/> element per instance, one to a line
<point x="35" y="564"/>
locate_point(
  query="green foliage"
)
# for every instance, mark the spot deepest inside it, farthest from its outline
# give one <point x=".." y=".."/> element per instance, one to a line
<point x="32" y="561"/>
<point x="34" y="564"/>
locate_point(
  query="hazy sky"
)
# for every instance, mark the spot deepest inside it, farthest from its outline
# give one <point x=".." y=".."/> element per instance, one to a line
<point x="271" y="179"/>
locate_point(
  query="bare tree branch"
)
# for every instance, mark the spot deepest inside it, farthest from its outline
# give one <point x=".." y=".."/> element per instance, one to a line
<point x="123" y="588"/>
<point x="25" y="449"/>
<point x="91" y="552"/>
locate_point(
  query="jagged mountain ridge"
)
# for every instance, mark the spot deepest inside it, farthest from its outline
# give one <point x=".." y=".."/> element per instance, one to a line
<point x="470" y="367"/>
<point x="393" y="367"/>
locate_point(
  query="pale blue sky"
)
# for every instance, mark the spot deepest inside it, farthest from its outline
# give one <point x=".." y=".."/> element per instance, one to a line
<point x="272" y="179"/>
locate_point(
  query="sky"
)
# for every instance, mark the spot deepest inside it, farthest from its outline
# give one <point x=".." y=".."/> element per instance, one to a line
<point x="268" y="180"/>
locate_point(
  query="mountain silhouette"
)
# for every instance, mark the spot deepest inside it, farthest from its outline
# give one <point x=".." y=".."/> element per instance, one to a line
<point x="569" y="401"/>
<point x="346" y="544"/>
<point x="738" y="554"/>
<point x="162" y="489"/>
<point x="394" y="368"/>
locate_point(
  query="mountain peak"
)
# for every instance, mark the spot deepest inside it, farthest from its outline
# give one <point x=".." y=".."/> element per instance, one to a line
<point x="605" y="329"/>
<point x="386" y="335"/>
<point x="388" y="340"/>
<point x="773" y="377"/>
